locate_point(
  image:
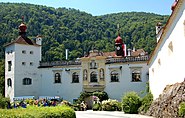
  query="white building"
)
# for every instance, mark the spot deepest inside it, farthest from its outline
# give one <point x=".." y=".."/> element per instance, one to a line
<point x="112" y="72"/>
<point x="167" y="65"/>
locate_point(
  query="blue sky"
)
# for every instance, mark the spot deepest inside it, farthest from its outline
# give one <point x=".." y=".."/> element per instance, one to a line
<point x="101" y="7"/>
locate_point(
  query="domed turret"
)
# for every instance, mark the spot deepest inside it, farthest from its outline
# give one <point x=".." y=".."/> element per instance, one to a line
<point x="22" y="27"/>
<point x="174" y="5"/>
<point x="118" y="40"/>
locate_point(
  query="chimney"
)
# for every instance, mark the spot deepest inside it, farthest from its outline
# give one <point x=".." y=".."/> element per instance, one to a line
<point x="158" y="30"/>
<point x="39" y="40"/>
<point x="67" y="52"/>
<point x="129" y="52"/>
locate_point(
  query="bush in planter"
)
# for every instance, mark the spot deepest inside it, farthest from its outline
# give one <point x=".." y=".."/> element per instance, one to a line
<point x="111" y="105"/>
<point x="182" y="109"/>
<point x="131" y="102"/>
<point x="145" y="103"/>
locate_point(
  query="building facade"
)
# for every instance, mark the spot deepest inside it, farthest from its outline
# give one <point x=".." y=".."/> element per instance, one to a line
<point x="113" y="72"/>
<point x="166" y="65"/>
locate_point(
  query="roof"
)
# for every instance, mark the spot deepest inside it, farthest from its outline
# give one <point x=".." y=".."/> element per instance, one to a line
<point x="166" y="27"/>
<point x="138" y="52"/>
<point x="22" y="40"/>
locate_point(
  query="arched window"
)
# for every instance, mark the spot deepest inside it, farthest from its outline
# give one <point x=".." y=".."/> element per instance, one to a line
<point x="85" y="74"/>
<point x="75" y="77"/>
<point x="114" y="76"/>
<point x="136" y="75"/>
<point x="57" y="78"/>
<point x="27" y="81"/>
<point x="9" y="82"/>
<point x="93" y="77"/>
<point x="102" y="74"/>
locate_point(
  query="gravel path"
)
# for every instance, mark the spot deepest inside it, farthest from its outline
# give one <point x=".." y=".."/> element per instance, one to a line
<point x="107" y="114"/>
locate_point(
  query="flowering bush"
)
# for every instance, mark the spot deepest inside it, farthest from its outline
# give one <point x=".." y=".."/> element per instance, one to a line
<point x="111" y="105"/>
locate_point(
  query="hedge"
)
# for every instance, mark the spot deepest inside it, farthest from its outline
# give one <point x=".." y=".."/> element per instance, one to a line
<point x="38" y="112"/>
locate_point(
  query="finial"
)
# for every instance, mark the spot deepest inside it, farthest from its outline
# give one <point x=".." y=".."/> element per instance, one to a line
<point x="22" y="19"/>
<point x="118" y="29"/>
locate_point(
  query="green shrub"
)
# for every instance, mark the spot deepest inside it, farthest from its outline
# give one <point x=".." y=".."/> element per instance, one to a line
<point x="96" y="107"/>
<point x="39" y="112"/>
<point x="100" y="94"/>
<point x="131" y="102"/>
<point x="111" y="105"/>
<point x="3" y="102"/>
<point x="182" y="109"/>
<point x="145" y="103"/>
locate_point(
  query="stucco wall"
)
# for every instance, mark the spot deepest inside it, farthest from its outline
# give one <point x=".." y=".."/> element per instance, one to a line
<point x="167" y="66"/>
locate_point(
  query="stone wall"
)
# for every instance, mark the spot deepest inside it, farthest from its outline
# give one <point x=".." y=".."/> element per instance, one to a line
<point x="166" y="106"/>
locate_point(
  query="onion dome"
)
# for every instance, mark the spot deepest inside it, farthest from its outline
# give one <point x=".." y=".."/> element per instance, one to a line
<point x="22" y="27"/>
<point x="174" y="5"/>
<point x="118" y="40"/>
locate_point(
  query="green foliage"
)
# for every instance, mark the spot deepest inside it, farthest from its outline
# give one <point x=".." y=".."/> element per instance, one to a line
<point x="145" y="103"/>
<point x="100" y="94"/>
<point x="3" y="101"/>
<point x="39" y="112"/>
<point x="2" y="78"/>
<point x="181" y="111"/>
<point x="63" y="28"/>
<point x="96" y="107"/>
<point x="131" y="102"/>
<point x="111" y="105"/>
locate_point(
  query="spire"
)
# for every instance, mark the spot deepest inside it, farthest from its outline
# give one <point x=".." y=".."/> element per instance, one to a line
<point x="118" y="30"/>
<point x="22" y="27"/>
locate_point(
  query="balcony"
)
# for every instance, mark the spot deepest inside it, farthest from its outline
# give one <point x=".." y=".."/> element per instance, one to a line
<point x="58" y="63"/>
<point x="92" y="88"/>
<point x="127" y="59"/>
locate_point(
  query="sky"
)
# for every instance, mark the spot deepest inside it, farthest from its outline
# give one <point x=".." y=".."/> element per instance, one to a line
<point x="102" y="7"/>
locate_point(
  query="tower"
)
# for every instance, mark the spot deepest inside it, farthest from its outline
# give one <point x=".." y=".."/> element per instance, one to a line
<point x="120" y="48"/>
<point x="22" y="57"/>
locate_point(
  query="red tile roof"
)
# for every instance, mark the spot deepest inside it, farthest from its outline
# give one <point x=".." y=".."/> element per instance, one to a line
<point x="22" y="40"/>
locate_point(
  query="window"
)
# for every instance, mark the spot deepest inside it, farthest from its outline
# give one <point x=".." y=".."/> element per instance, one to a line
<point x="93" y="77"/>
<point x="102" y="74"/>
<point x="75" y="77"/>
<point x="9" y="65"/>
<point x="24" y="51"/>
<point x="31" y="63"/>
<point x="23" y="63"/>
<point x="85" y="74"/>
<point x="136" y="75"/>
<point x="114" y="76"/>
<point x="93" y="65"/>
<point x="57" y="78"/>
<point x="31" y="52"/>
<point x="27" y="81"/>
<point x="9" y="82"/>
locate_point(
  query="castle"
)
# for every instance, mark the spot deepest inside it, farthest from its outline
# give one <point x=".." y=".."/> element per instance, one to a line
<point x="115" y="72"/>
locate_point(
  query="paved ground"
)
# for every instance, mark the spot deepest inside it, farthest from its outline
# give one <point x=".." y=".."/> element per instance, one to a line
<point x="106" y="114"/>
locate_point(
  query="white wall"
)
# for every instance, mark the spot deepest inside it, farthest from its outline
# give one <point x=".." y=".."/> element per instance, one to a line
<point x="66" y="89"/>
<point x="172" y="65"/>
<point x="19" y="71"/>
<point x="116" y="90"/>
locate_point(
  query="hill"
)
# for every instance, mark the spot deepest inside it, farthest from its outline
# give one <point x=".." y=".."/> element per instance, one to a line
<point x="78" y="31"/>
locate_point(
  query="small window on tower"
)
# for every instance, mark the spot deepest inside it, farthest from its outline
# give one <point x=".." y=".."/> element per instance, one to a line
<point x="9" y="82"/>
<point x="31" y="63"/>
<point x="23" y="63"/>
<point x="9" y="65"/>
<point x="31" y="52"/>
<point x="24" y="51"/>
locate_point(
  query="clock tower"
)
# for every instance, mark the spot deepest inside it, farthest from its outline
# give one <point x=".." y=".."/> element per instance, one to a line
<point x="119" y="46"/>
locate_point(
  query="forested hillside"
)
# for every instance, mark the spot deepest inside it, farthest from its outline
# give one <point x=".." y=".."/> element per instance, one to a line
<point x="78" y="31"/>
